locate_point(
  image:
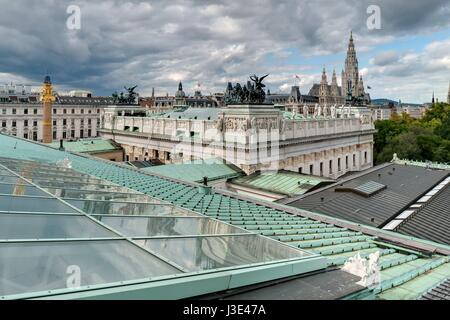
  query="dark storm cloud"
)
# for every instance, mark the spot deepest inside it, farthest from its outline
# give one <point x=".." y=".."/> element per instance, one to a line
<point x="157" y="43"/>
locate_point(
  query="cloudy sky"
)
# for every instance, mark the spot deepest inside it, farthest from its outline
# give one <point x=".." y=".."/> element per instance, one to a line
<point x="158" y="43"/>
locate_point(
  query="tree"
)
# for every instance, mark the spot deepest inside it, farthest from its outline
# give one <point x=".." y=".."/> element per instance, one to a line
<point x="425" y="139"/>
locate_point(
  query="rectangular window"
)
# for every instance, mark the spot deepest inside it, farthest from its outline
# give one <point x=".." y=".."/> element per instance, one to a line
<point x="35" y="136"/>
<point x="3" y="111"/>
<point x="73" y="111"/>
<point x="34" y="123"/>
<point x="89" y="132"/>
<point x="346" y="162"/>
<point x="3" y="123"/>
<point x="54" y="111"/>
<point x="14" y="123"/>
<point x="311" y="168"/>
<point x="54" y="123"/>
<point x="34" y="111"/>
<point x="25" y="135"/>
<point x="64" y="122"/>
<point x="54" y="135"/>
<point x="300" y="170"/>
<point x="25" y="123"/>
<point x="354" y="160"/>
<point x="339" y="164"/>
<point x="25" y="111"/>
<point x="81" y="133"/>
<point x="64" y="135"/>
<point x="321" y="169"/>
<point x="64" y="111"/>
<point x="330" y="166"/>
<point x="365" y="156"/>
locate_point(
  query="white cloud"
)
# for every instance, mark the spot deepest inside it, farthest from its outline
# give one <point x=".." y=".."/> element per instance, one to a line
<point x="225" y="26"/>
<point x="156" y="44"/>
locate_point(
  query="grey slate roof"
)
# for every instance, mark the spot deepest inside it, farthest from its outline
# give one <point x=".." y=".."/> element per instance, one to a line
<point x="432" y="221"/>
<point x="404" y="184"/>
<point x="85" y="100"/>
<point x="327" y="285"/>
<point x="440" y="292"/>
<point x="314" y="91"/>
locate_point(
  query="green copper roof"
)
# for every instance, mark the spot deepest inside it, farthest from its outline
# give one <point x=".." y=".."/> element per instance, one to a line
<point x="335" y="239"/>
<point x="425" y="164"/>
<point x="281" y="182"/>
<point x="194" y="171"/>
<point x="88" y="145"/>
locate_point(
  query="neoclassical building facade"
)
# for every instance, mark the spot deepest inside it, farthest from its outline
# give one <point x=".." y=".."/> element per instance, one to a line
<point x="252" y="137"/>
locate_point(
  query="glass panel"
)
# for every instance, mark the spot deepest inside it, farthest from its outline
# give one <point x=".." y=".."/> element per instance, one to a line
<point x="97" y="195"/>
<point x="36" y="226"/>
<point x="13" y="203"/>
<point x="39" y="266"/>
<point x="4" y="172"/>
<point x="38" y="170"/>
<point x="125" y="208"/>
<point x="108" y="196"/>
<point x="204" y="253"/>
<point x="11" y="179"/>
<point x="40" y="180"/>
<point x="163" y="226"/>
<point x="81" y="186"/>
<point x="31" y="176"/>
<point x="21" y="190"/>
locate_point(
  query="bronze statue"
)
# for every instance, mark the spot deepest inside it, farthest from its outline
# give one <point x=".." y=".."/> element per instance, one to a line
<point x="252" y="93"/>
<point x="121" y="98"/>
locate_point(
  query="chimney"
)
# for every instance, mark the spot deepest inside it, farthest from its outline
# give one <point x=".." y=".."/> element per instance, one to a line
<point x="47" y="99"/>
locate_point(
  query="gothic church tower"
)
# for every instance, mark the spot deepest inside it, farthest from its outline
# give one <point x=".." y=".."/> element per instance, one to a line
<point x="323" y="89"/>
<point x="350" y="76"/>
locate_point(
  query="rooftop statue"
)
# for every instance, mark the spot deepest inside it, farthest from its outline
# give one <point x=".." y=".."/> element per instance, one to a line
<point x="129" y="98"/>
<point x="251" y="93"/>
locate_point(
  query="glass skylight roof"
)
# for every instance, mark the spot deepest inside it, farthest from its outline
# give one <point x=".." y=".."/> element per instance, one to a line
<point x="54" y="219"/>
<point x="368" y="188"/>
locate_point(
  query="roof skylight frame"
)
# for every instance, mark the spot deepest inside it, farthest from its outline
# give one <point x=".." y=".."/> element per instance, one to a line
<point x="309" y="258"/>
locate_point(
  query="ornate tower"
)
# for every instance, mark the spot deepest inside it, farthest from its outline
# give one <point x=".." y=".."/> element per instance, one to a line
<point x="323" y="89"/>
<point x="180" y="96"/>
<point x="351" y="74"/>
<point x="334" y="88"/>
<point x="47" y="99"/>
<point x="360" y="90"/>
<point x="432" y="98"/>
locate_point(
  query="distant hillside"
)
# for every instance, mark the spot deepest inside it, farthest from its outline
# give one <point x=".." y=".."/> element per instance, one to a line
<point x="384" y="101"/>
